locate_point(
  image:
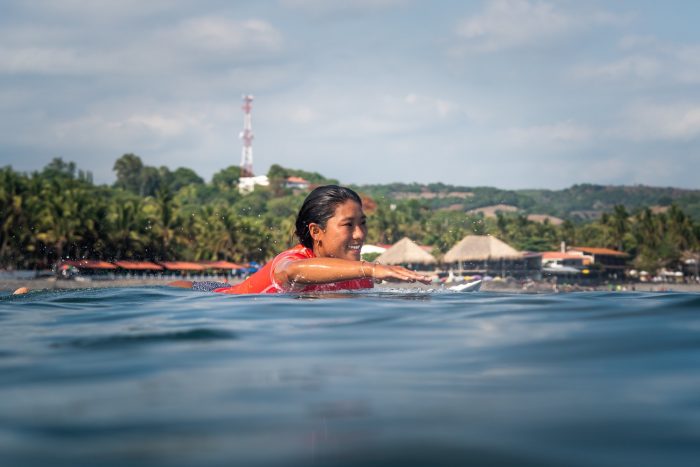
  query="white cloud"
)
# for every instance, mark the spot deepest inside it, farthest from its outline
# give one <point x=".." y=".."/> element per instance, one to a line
<point x="218" y="42"/>
<point x="630" y="67"/>
<point x="646" y="61"/>
<point x="164" y="125"/>
<point x="431" y="106"/>
<point x="304" y="115"/>
<point x="546" y="135"/>
<point x="104" y="10"/>
<point x="670" y="122"/>
<point x="511" y="23"/>
<point x="506" y="24"/>
<point x="394" y="115"/>
<point x="636" y="41"/>
<point x="129" y="129"/>
<point x="45" y="60"/>
<point x="225" y="35"/>
<point x="687" y="67"/>
<point x="330" y="6"/>
<point x="334" y="114"/>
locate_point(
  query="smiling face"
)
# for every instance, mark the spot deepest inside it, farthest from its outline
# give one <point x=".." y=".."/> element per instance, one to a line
<point x="344" y="234"/>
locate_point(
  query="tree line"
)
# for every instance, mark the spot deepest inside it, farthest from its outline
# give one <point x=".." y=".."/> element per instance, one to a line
<point x="153" y="213"/>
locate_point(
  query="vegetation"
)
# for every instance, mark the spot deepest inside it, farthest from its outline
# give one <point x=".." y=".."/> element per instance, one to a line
<point x="156" y="214"/>
<point x="580" y="203"/>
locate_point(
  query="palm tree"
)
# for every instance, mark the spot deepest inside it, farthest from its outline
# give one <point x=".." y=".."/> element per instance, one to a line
<point x="11" y="212"/>
<point x="620" y="225"/>
<point x="59" y="221"/>
<point x="165" y="223"/>
<point x="125" y="227"/>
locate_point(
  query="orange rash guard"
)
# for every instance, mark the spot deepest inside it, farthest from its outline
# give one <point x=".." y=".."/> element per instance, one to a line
<point x="263" y="280"/>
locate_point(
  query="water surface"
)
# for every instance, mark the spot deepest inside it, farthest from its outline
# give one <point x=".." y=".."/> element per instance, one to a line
<point x="160" y="376"/>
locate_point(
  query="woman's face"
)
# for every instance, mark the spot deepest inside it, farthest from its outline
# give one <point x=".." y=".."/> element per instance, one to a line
<point x="344" y="234"/>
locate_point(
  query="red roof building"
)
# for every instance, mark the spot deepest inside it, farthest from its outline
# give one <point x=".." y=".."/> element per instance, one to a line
<point x="139" y="266"/>
<point x="591" y="250"/>
<point x="87" y="264"/>
<point x="297" y="182"/>
<point x="220" y="265"/>
<point x="182" y="266"/>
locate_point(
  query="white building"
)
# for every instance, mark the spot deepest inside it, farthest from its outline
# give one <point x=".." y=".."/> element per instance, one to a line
<point x="247" y="184"/>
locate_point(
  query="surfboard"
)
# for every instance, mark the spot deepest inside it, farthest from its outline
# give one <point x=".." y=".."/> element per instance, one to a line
<point x="472" y="286"/>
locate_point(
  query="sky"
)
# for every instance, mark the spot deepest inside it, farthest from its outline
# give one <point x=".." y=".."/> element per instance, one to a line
<point x="505" y="93"/>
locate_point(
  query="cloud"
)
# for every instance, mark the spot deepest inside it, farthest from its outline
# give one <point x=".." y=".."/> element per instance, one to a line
<point x="130" y="127"/>
<point x="108" y="10"/>
<point x="303" y="115"/>
<point x="214" y="41"/>
<point x="164" y="125"/>
<point x="335" y="6"/>
<point x="687" y="63"/>
<point x="669" y="122"/>
<point x="431" y="106"/>
<point x="47" y="60"/>
<point x="392" y="115"/>
<point x="547" y="135"/>
<point x="214" y="34"/>
<point x="634" y="67"/>
<point x="361" y="112"/>
<point x="509" y="24"/>
<point x="646" y="60"/>
<point x="634" y="41"/>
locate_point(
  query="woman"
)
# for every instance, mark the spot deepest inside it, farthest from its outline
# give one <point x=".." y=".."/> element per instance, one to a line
<point x="331" y="228"/>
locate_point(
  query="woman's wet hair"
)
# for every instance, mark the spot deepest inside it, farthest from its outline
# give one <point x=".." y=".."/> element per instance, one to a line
<point x="320" y="206"/>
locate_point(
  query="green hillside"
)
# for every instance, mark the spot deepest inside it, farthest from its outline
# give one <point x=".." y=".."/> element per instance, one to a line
<point x="579" y="202"/>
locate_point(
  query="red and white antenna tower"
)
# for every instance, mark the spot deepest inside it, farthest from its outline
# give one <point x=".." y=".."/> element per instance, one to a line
<point x="247" y="136"/>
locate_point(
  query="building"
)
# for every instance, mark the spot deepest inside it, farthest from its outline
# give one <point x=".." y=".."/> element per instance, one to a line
<point x="562" y="266"/>
<point x="297" y="183"/>
<point x="487" y="255"/>
<point x="690" y="262"/>
<point x="407" y="253"/>
<point x="603" y="263"/>
<point x="557" y="259"/>
<point x="247" y="184"/>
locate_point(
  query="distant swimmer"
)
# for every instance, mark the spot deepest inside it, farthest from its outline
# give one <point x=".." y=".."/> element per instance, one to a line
<point x="331" y="227"/>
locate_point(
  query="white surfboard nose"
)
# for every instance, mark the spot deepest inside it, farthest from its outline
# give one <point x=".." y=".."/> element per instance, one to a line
<point x="472" y="286"/>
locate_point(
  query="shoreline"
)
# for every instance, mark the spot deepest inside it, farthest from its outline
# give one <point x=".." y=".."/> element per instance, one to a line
<point x="52" y="283"/>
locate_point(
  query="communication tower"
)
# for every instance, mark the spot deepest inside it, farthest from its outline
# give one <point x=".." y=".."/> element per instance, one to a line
<point x="247" y="136"/>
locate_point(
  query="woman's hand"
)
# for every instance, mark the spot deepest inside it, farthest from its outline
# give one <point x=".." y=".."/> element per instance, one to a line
<point x="397" y="274"/>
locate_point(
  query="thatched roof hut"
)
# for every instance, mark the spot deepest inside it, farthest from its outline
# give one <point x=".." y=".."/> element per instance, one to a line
<point x="480" y="248"/>
<point x="406" y="251"/>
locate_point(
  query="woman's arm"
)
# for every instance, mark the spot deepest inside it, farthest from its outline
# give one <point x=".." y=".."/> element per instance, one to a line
<point x="325" y="270"/>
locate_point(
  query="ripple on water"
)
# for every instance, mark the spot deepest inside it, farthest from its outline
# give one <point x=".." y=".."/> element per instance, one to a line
<point x="148" y="338"/>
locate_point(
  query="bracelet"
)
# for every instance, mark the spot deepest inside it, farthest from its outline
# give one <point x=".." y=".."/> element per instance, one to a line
<point x="362" y="268"/>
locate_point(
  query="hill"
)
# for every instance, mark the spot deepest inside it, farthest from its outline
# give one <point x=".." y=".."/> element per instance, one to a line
<point x="579" y="202"/>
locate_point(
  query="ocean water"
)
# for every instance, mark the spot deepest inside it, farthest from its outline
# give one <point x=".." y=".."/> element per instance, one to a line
<point x="169" y="377"/>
